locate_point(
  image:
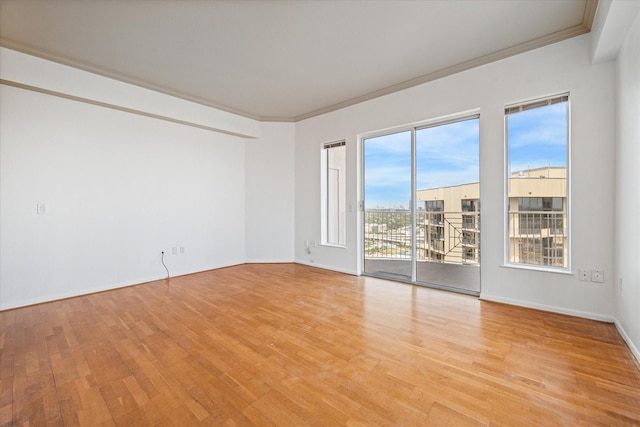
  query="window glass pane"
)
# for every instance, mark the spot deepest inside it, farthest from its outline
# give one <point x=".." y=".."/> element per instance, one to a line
<point x="448" y="182"/>
<point x="387" y="215"/>
<point x="387" y="171"/>
<point x="537" y="152"/>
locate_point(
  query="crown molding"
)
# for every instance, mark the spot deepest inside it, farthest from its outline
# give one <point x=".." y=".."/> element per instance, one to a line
<point x="454" y="69"/>
<point x="63" y="60"/>
<point x="577" y="30"/>
<point x="116" y="107"/>
<point x="589" y="16"/>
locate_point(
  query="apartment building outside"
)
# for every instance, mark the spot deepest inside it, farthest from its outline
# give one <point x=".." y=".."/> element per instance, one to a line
<point x="452" y="223"/>
<point x="537" y="225"/>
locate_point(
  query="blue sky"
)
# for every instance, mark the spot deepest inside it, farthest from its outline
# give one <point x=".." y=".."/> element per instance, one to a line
<point x="445" y="155"/>
<point x="387" y="170"/>
<point x="449" y="154"/>
<point x="538" y="137"/>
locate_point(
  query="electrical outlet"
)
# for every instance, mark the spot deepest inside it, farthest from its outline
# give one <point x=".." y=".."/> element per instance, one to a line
<point x="584" y="275"/>
<point x="597" y="276"/>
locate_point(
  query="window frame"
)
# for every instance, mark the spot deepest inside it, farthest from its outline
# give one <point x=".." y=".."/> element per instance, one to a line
<point x="525" y="105"/>
<point x="325" y="228"/>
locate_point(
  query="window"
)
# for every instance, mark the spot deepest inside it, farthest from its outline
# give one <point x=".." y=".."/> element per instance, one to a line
<point x="434" y="223"/>
<point x="537" y="178"/>
<point x="468" y="222"/>
<point x="434" y="206"/>
<point x="469" y="205"/>
<point x="333" y="167"/>
<point x="469" y="254"/>
<point x="540" y="204"/>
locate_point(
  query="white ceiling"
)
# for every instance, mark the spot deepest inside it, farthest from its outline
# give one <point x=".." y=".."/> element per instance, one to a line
<point x="284" y="60"/>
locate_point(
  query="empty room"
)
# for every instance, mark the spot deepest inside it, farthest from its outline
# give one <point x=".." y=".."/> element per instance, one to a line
<point x="332" y="213"/>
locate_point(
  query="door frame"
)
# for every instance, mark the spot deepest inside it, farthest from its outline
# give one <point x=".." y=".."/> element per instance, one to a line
<point x="413" y="128"/>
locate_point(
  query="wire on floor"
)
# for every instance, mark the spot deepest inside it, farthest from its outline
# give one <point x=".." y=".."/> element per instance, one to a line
<point x="164" y="265"/>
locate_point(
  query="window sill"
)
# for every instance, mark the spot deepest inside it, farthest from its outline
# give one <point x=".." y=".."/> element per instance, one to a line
<point x="538" y="268"/>
<point x="334" y="245"/>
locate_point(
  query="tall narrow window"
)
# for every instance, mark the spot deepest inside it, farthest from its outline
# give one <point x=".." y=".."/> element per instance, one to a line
<point x="333" y="166"/>
<point x="537" y="135"/>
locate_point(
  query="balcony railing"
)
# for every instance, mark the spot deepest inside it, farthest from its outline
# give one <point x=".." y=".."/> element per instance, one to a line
<point x="537" y="224"/>
<point x="537" y="238"/>
<point x="451" y="237"/>
<point x="388" y="234"/>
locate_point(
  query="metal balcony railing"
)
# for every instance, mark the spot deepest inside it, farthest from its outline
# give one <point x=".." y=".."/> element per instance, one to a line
<point x="541" y="224"/>
<point x="538" y="238"/>
<point x="452" y="237"/>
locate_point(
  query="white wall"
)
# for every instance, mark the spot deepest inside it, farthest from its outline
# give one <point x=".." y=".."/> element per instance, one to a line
<point x="270" y="194"/>
<point x="627" y="280"/>
<point x="119" y="189"/>
<point x="553" y="69"/>
<point x="120" y="186"/>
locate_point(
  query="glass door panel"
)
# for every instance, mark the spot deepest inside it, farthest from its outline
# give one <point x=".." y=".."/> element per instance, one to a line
<point x="448" y="205"/>
<point x="387" y="206"/>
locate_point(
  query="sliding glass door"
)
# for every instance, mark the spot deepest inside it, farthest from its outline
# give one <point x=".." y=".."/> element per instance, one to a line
<point x="422" y="205"/>
<point x="448" y="204"/>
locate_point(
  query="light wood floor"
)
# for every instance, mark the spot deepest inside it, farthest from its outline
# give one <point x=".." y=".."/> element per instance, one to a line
<point x="290" y="345"/>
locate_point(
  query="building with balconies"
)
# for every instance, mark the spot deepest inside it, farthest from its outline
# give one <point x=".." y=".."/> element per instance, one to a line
<point x="537" y="219"/>
<point x="538" y="216"/>
<point x="452" y="223"/>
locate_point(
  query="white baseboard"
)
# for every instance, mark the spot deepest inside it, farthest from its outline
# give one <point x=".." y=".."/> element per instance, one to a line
<point x="76" y="293"/>
<point x="109" y="287"/>
<point x="270" y="261"/>
<point x="326" y="267"/>
<point x="92" y="290"/>
<point x="578" y="313"/>
<point x="627" y="339"/>
<point x="549" y="308"/>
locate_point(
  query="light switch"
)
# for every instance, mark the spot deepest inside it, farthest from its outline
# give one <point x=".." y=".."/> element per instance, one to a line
<point x="41" y="208"/>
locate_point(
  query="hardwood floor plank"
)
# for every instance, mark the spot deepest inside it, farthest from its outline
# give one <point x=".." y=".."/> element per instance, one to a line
<point x="285" y="344"/>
